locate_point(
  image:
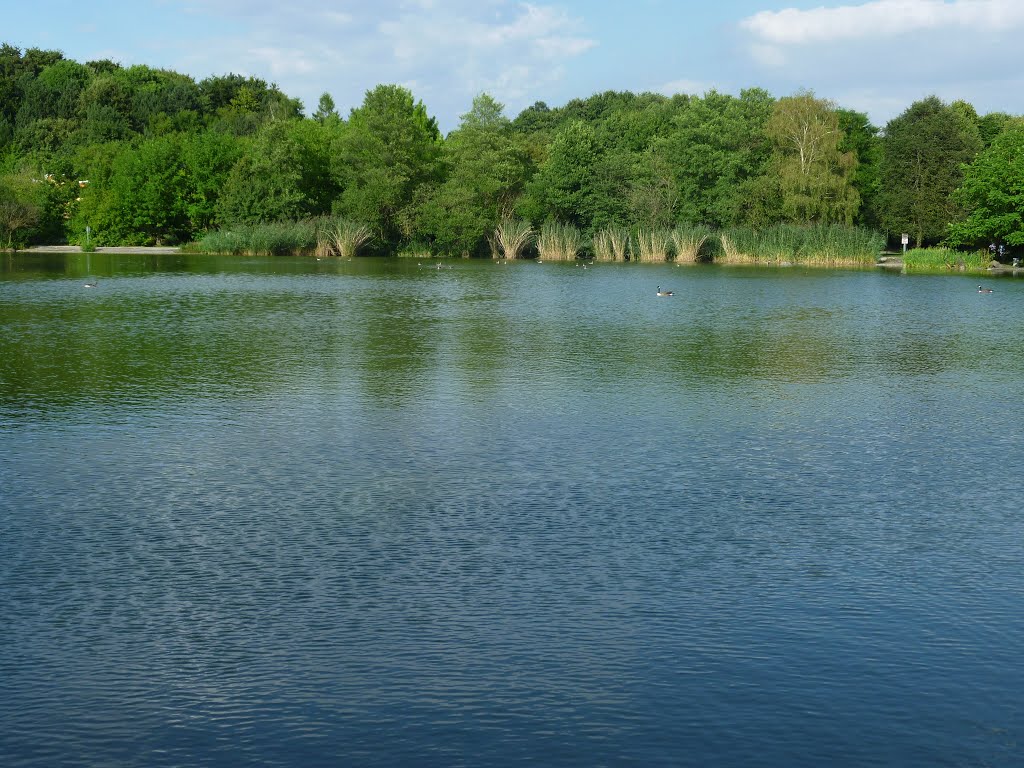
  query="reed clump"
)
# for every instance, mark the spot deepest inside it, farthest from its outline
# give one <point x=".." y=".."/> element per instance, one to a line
<point x="791" y="244"/>
<point x="611" y="244"/>
<point x="945" y="260"/>
<point x="344" y="238"/>
<point x="559" y="242"/>
<point x="651" y="245"/>
<point x="275" y="238"/>
<point x="512" y="236"/>
<point x="689" y="242"/>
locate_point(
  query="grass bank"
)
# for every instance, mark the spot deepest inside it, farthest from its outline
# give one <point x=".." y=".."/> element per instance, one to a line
<point x="790" y="245"/>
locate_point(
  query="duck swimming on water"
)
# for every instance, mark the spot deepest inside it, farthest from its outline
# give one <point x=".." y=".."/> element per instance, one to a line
<point x="664" y="293"/>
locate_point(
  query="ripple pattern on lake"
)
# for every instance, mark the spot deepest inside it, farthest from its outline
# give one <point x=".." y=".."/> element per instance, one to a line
<point x="371" y="514"/>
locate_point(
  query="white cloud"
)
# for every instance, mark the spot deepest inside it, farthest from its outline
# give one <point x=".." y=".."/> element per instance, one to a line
<point x="454" y="49"/>
<point x="880" y="56"/>
<point x="890" y="18"/>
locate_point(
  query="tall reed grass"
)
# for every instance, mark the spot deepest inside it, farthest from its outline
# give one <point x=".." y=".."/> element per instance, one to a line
<point x="814" y="245"/>
<point x="689" y="242"/>
<point x="651" y="245"/>
<point x="343" y="237"/>
<point x="559" y="242"/>
<point x="945" y="260"/>
<point x="611" y="244"/>
<point x="325" y="236"/>
<point x="268" y="239"/>
<point x="512" y="236"/>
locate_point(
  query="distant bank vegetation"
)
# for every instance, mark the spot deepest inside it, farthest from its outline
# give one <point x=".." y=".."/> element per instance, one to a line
<point x="113" y="155"/>
<point x="780" y="244"/>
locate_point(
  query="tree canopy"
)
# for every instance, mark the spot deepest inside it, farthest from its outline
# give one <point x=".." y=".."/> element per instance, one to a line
<point x="143" y="155"/>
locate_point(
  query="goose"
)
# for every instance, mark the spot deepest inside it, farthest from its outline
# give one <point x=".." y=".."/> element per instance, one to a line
<point x="982" y="289"/>
<point x="664" y="293"/>
<point x="93" y="284"/>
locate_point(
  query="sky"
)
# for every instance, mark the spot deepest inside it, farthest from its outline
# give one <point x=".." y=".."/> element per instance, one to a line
<point x="875" y="56"/>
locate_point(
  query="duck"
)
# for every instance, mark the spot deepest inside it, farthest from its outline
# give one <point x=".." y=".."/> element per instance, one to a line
<point x="93" y="284"/>
<point x="665" y="293"/>
<point x="982" y="289"/>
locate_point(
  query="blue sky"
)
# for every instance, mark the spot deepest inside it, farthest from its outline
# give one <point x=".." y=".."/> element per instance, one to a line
<point x="877" y="56"/>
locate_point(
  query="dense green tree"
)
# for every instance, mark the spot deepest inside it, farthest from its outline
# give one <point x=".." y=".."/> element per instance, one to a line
<point x="815" y="176"/>
<point x="923" y="154"/>
<point x="266" y="184"/>
<point x="992" y="193"/>
<point x="325" y="110"/>
<point x="485" y="168"/>
<point x="717" y="148"/>
<point x="861" y="138"/>
<point x="388" y="151"/>
<point x="990" y="126"/>
<point x="144" y="201"/>
<point x="53" y="93"/>
<point x="208" y="159"/>
<point x="19" y="209"/>
<point x="564" y="188"/>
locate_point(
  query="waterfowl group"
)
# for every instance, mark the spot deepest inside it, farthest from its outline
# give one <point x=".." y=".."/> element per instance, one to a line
<point x="664" y="293"/>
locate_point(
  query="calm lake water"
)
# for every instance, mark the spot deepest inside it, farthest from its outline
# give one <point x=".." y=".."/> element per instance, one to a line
<point x="283" y="512"/>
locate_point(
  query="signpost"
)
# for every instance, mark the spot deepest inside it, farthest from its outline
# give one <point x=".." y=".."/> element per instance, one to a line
<point x="906" y="239"/>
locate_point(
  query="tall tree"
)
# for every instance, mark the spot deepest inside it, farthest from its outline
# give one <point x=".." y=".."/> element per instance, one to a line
<point x="387" y="152"/>
<point x="815" y="176"/>
<point x="485" y="168"/>
<point x="717" y="148"/>
<point x="992" y="194"/>
<point x="923" y="154"/>
<point x="861" y="138"/>
<point x="564" y="187"/>
<point x="144" y="201"/>
<point x="325" y="109"/>
<point x="268" y="181"/>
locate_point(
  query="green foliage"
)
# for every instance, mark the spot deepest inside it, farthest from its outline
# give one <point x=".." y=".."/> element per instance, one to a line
<point x="280" y="176"/>
<point x="145" y="199"/>
<point x="20" y="210"/>
<point x="992" y="193"/>
<point x="564" y="187"/>
<point x="924" y="152"/>
<point x="389" y="150"/>
<point x="485" y="168"/>
<point x="717" y="148"/>
<point x="208" y="159"/>
<point x="815" y="177"/>
<point x="861" y="139"/>
<point x="326" y="112"/>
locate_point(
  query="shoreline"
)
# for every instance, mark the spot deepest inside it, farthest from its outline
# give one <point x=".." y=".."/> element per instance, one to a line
<point x="157" y="249"/>
<point x="888" y="262"/>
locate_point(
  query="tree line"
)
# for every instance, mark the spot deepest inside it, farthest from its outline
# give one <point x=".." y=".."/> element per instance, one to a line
<point x="139" y="156"/>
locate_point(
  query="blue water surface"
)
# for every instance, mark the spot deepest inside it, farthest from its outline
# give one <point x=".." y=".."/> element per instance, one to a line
<point x="375" y="513"/>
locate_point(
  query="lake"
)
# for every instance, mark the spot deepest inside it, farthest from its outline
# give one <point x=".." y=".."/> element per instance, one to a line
<point x="283" y="512"/>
